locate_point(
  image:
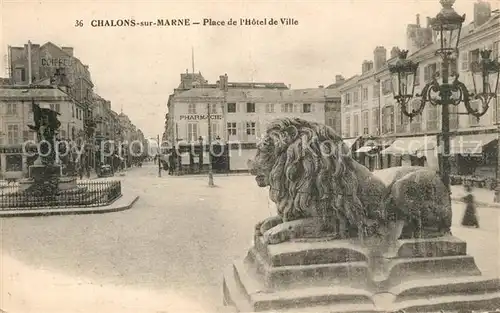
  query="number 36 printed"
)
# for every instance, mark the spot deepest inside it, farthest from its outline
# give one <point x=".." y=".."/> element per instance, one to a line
<point x="79" y="23"/>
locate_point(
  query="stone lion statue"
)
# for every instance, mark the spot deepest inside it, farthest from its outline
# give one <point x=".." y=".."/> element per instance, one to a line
<point x="321" y="191"/>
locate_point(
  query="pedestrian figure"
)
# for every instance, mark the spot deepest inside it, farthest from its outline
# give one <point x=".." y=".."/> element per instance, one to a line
<point x="171" y="164"/>
<point x="470" y="216"/>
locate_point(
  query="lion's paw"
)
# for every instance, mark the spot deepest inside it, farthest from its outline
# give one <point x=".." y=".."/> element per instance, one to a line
<point x="267" y="224"/>
<point x="278" y="234"/>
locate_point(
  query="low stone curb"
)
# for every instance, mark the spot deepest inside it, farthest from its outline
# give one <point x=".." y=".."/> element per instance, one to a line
<point x="478" y="203"/>
<point x="123" y="203"/>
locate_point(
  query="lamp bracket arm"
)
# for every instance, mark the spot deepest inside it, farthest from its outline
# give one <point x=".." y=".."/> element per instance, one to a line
<point x="431" y="87"/>
<point x="414" y="111"/>
<point x="466" y="97"/>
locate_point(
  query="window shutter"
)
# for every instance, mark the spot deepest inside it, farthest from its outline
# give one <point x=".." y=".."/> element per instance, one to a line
<point x="257" y="129"/>
<point x="313" y="107"/>
<point x="282" y="108"/>
<point x="296" y="108"/>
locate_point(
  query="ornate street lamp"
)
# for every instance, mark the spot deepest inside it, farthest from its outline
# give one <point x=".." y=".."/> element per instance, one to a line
<point x="447" y="25"/>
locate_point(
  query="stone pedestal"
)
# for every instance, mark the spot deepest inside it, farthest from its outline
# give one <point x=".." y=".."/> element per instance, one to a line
<point x="39" y="170"/>
<point x="346" y="276"/>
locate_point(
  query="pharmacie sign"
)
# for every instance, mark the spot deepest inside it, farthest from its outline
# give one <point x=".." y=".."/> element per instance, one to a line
<point x="198" y="117"/>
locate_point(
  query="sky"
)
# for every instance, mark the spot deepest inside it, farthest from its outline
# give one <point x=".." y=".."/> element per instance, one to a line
<point x="137" y="68"/>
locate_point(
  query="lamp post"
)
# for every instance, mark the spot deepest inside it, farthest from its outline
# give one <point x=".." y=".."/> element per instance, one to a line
<point x="210" y="174"/>
<point x="447" y="24"/>
<point x="200" y="156"/>
<point x="159" y="155"/>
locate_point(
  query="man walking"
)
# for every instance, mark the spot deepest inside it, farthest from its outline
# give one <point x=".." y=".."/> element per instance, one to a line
<point x="171" y="164"/>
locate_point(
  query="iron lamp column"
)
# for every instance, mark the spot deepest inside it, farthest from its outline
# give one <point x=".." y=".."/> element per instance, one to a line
<point x="210" y="174"/>
<point x="447" y="24"/>
<point x="200" y="156"/>
<point x="497" y="170"/>
<point x="159" y="156"/>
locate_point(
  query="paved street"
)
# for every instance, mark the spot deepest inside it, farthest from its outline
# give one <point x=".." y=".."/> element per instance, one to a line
<point x="179" y="235"/>
<point x="165" y="254"/>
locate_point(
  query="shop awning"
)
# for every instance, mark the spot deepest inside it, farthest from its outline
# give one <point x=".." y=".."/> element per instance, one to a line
<point x="350" y="142"/>
<point x="470" y="144"/>
<point x="411" y="145"/>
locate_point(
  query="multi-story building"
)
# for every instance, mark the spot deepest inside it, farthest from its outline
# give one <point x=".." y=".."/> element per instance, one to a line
<point x="16" y="113"/>
<point x="333" y="117"/>
<point x="34" y="63"/>
<point x="240" y="113"/>
<point x="114" y="126"/>
<point x="130" y="137"/>
<point x="45" y="65"/>
<point x="417" y="141"/>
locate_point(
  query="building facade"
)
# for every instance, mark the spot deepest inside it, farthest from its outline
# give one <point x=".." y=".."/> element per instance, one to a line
<point x="418" y="141"/>
<point x="56" y="78"/>
<point x="333" y="112"/>
<point x="240" y="113"/>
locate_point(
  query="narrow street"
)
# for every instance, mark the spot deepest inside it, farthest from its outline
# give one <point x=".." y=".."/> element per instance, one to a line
<point x="166" y="254"/>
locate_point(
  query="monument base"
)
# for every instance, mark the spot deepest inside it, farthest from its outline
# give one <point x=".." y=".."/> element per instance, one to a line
<point x="39" y="172"/>
<point x="417" y="275"/>
<point x="64" y="183"/>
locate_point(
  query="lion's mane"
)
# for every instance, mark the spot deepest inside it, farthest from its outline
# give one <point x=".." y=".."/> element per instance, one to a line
<point x="312" y="173"/>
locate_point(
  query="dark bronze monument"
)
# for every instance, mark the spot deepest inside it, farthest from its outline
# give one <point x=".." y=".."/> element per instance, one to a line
<point x="45" y="174"/>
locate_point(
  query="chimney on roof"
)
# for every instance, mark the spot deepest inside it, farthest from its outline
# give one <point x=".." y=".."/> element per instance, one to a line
<point x="339" y="79"/>
<point x="429" y="20"/>
<point x="379" y="57"/>
<point x="482" y="12"/>
<point x="394" y="52"/>
<point x="68" y="50"/>
<point x="418" y="20"/>
<point x="366" y="66"/>
<point x="289" y="86"/>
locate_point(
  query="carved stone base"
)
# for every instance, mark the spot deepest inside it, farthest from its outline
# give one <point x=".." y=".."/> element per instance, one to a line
<point x="345" y="276"/>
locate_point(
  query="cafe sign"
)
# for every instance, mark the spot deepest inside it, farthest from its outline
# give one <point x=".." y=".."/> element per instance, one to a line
<point x="56" y="62"/>
<point x="199" y="117"/>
